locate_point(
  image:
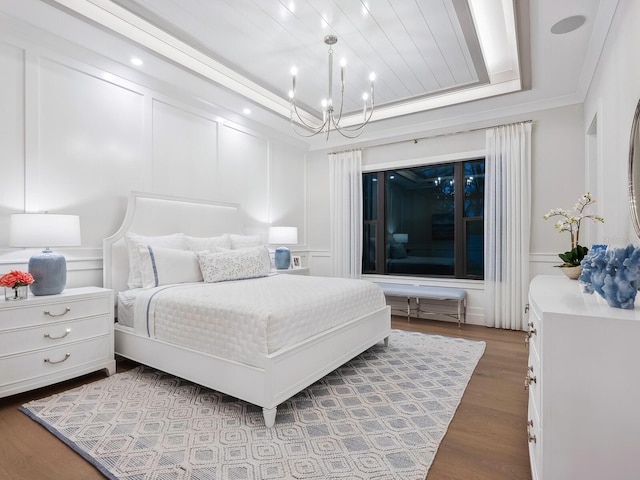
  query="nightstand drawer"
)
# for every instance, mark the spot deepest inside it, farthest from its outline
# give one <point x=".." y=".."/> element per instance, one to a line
<point x="52" y="361"/>
<point x="53" y="334"/>
<point x="58" y="309"/>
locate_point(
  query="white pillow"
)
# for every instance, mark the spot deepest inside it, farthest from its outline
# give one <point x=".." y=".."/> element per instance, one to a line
<point x="197" y="244"/>
<point x="235" y="264"/>
<point x="133" y="240"/>
<point x="244" y="241"/>
<point x="165" y="266"/>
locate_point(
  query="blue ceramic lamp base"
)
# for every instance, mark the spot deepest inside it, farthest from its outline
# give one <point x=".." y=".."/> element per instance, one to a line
<point x="49" y="271"/>
<point x="282" y="258"/>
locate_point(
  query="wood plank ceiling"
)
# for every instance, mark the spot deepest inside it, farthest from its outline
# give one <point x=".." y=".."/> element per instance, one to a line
<point x="418" y="49"/>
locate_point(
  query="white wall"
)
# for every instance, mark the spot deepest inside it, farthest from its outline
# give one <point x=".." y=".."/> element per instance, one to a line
<point x="612" y="99"/>
<point x="78" y="133"/>
<point x="557" y="181"/>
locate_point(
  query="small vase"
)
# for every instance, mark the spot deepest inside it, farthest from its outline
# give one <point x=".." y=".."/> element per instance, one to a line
<point x="16" y="293"/>
<point x="572" y="272"/>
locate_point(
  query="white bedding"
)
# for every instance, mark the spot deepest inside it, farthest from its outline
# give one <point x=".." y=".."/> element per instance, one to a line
<point x="246" y="320"/>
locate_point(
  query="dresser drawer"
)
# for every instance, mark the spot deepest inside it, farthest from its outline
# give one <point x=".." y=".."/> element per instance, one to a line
<point x="53" y="361"/>
<point x="53" y="334"/>
<point x="59" y="309"/>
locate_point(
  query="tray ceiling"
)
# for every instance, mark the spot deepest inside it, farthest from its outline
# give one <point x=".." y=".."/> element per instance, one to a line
<point x="425" y="54"/>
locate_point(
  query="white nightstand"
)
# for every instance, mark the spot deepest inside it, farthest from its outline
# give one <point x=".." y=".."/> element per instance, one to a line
<point x="292" y="271"/>
<point x="47" y="339"/>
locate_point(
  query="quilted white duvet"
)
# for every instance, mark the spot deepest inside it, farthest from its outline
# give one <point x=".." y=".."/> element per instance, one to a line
<point x="247" y="320"/>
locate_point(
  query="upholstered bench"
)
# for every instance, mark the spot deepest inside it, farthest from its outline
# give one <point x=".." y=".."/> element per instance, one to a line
<point x="426" y="292"/>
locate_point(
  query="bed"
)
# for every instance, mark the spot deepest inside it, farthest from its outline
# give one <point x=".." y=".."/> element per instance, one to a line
<point x="264" y="371"/>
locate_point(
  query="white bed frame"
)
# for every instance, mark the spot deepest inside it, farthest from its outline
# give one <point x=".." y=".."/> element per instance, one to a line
<point x="285" y="372"/>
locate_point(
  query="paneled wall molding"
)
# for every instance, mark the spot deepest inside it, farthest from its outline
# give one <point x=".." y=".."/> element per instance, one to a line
<point x="89" y="130"/>
<point x="551" y="258"/>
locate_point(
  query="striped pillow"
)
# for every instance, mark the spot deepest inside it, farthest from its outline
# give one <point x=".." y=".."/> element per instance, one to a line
<point x="165" y="266"/>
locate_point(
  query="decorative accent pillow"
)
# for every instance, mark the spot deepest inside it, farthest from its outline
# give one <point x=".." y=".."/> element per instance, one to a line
<point x="235" y="264"/>
<point x="244" y="241"/>
<point x="165" y="266"/>
<point x="198" y="244"/>
<point x="133" y="240"/>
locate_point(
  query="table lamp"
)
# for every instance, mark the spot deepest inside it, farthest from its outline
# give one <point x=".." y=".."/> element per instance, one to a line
<point x="401" y="237"/>
<point x="283" y="236"/>
<point x="32" y="230"/>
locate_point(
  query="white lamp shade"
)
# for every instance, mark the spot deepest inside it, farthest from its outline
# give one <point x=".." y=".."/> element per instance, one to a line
<point x="44" y="230"/>
<point x="283" y="235"/>
<point x="401" y="237"/>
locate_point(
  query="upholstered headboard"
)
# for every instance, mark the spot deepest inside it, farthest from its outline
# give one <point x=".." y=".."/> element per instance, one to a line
<point x="151" y="214"/>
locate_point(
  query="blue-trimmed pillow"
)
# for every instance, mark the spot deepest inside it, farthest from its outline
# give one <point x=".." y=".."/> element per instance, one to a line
<point x="134" y="240"/>
<point x="165" y="266"/>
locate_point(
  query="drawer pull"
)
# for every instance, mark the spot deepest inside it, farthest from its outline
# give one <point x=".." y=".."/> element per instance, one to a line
<point x="532" y="331"/>
<point x="528" y="380"/>
<point x="66" y="332"/>
<point x="530" y="436"/>
<point x="66" y="355"/>
<point x="49" y="314"/>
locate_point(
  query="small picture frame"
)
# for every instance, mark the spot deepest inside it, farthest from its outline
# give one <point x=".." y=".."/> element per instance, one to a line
<point x="296" y="262"/>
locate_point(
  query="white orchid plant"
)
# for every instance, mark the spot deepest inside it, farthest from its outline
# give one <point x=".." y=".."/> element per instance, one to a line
<point x="570" y="221"/>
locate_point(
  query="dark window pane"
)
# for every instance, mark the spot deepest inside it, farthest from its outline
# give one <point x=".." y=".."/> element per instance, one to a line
<point x="474" y="188"/>
<point x="370" y="196"/>
<point x="419" y="220"/>
<point x="475" y="248"/>
<point x="425" y="220"/>
<point x="369" y="248"/>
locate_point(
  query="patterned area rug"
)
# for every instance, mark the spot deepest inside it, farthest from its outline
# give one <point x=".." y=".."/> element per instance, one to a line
<point x="380" y="416"/>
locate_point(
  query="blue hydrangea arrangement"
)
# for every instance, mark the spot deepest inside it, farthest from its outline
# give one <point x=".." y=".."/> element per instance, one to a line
<point x="614" y="274"/>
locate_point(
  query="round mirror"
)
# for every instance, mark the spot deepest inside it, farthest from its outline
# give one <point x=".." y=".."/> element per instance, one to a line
<point x="634" y="169"/>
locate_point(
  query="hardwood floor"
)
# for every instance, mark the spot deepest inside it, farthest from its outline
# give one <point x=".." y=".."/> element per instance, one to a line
<point x="485" y="441"/>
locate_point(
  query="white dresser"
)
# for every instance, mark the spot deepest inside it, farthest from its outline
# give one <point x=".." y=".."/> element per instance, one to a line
<point x="584" y="384"/>
<point x="47" y="339"/>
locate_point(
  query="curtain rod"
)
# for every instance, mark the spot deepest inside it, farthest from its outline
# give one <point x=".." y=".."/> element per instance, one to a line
<point x="429" y="137"/>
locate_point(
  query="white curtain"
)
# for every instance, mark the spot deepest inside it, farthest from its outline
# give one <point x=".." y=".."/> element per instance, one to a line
<point x="345" y="177"/>
<point x="507" y="224"/>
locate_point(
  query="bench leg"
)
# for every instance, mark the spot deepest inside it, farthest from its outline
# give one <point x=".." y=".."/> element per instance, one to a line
<point x="408" y="309"/>
<point x="462" y="311"/>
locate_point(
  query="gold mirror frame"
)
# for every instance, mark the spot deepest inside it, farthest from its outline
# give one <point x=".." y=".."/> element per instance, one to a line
<point x="634" y="169"/>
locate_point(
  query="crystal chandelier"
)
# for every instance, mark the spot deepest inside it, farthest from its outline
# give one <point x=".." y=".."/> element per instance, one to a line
<point x="331" y="121"/>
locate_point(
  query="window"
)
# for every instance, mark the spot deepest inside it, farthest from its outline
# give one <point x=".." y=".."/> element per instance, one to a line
<point x="425" y="221"/>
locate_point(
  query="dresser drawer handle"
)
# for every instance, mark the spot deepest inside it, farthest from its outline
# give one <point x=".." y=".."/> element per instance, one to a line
<point x="530" y="436"/>
<point x="532" y="331"/>
<point x="66" y="355"/>
<point x="528" y="380"/>
<point x="66" y="332"/>
<point x="49" y="314"/>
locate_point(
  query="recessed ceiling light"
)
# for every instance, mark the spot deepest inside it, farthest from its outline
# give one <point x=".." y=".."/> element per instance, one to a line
<point x="246" y="111"/>
<point x="568" y="24"/>
<point x="136" y="61"/>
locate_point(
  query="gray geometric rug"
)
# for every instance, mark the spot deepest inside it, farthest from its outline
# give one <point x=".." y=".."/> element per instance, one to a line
<point x="380" y="416"/>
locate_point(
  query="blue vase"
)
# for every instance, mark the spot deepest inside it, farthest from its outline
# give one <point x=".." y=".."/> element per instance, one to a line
<point x="282" y="258"/>
<point x="49" y="271"/>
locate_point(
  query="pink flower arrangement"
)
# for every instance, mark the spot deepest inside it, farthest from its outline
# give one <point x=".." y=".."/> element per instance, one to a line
<point x="15" y="278"/>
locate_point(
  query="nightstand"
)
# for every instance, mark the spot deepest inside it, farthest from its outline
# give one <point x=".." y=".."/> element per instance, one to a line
<point x="47" y="339"/>
<point x="291" y="271"/>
